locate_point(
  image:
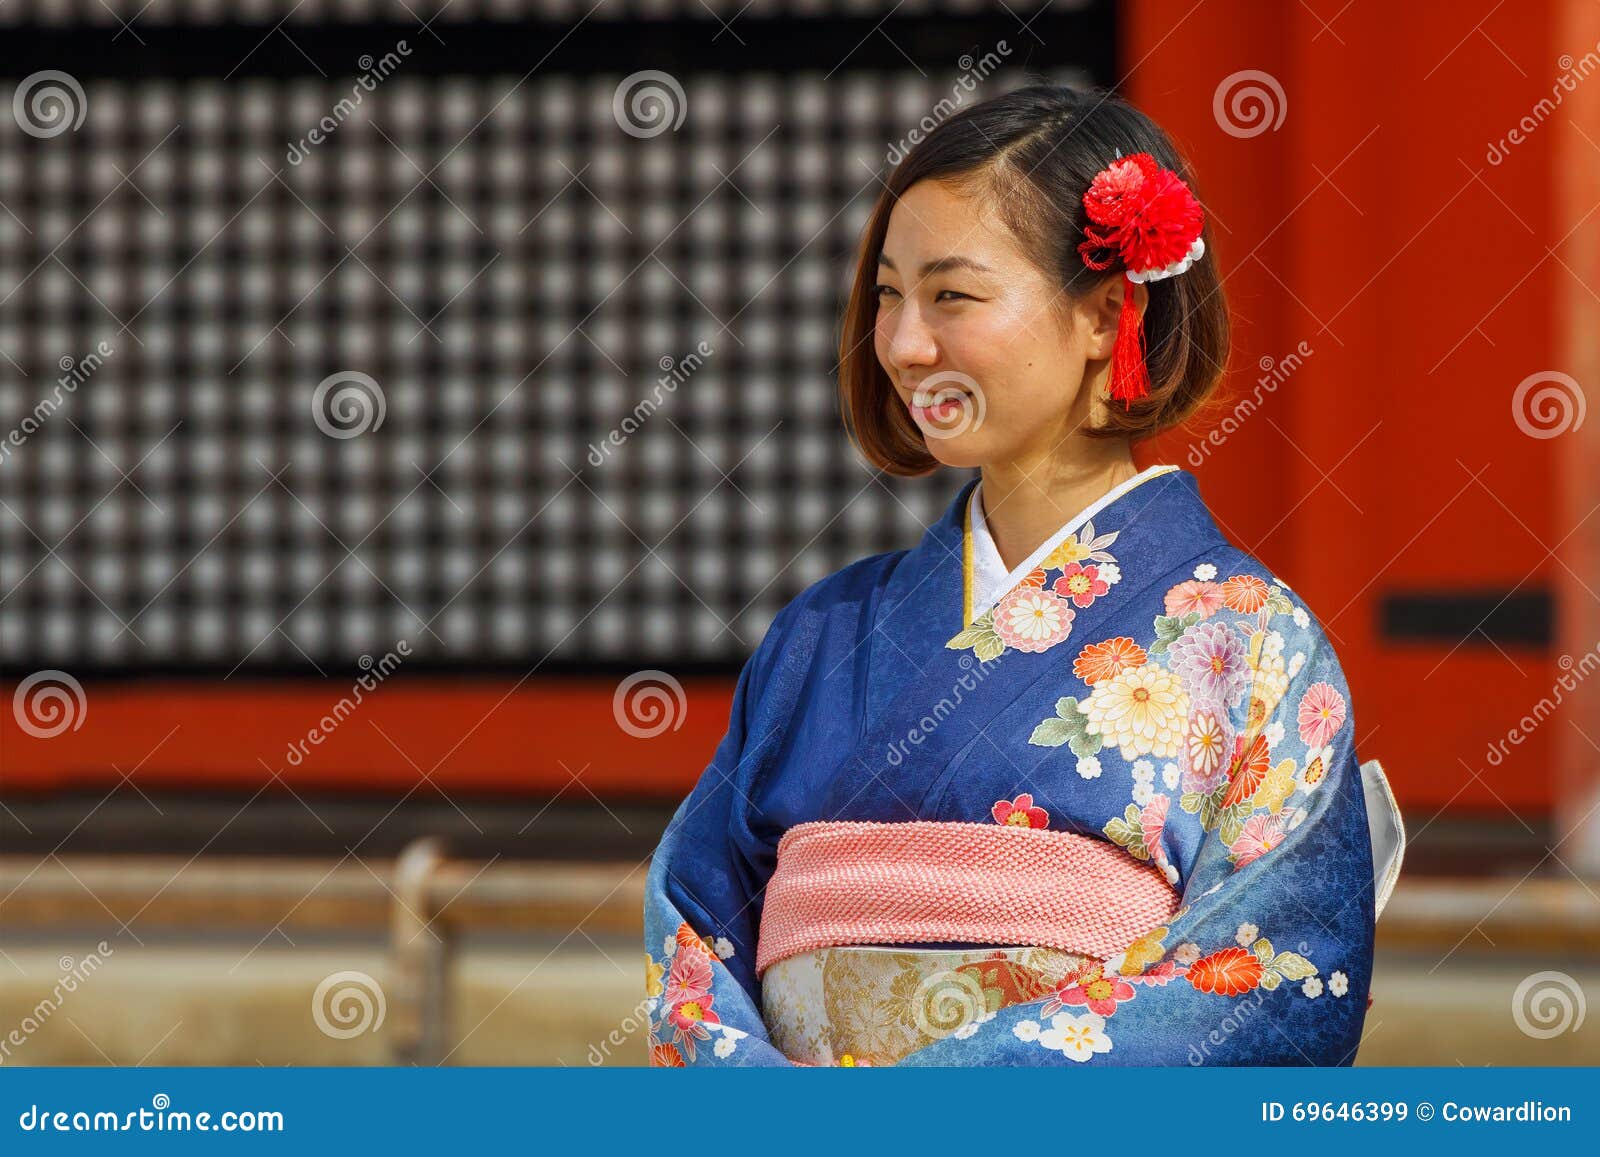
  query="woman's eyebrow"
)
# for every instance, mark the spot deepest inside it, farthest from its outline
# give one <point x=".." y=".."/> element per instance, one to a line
<point x="942" y="265"/>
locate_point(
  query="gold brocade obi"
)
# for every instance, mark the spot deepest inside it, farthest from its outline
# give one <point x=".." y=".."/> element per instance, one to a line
<point x="866" y="1004"/>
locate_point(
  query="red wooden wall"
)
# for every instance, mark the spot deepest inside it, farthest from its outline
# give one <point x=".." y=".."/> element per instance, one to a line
<point x="1428" y="282"/>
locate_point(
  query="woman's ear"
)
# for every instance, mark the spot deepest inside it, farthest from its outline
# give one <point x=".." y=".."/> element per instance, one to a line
<point x="1104" y="308"/>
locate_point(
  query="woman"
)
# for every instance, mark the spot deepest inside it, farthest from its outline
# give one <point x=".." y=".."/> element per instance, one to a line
<point x="1074" y="779"/>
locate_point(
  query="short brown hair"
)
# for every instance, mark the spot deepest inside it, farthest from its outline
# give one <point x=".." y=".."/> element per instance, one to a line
<point x="1034" y="151"/>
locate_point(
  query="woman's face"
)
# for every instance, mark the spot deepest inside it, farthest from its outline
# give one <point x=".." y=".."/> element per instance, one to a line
<point x="984" y="351"/>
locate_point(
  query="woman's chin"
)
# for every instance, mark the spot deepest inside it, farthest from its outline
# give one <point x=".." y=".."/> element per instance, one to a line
<point x="966" y="450"/>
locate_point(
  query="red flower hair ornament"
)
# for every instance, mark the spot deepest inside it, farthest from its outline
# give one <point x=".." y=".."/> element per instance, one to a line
<point x="1146" y="217"/>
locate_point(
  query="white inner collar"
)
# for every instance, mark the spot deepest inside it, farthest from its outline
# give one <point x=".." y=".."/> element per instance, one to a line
<point x="991" y="580"/>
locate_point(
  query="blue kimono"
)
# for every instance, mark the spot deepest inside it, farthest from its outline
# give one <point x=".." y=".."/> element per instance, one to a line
<point x="1140" y="758"/>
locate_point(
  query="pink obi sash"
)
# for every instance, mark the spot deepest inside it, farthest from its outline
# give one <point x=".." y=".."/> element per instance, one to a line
<point x="936" y="881"/>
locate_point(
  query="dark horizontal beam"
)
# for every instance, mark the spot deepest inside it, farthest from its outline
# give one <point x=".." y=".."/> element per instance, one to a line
<point x="1060" y="37"/>
<point x="1471" y="618"/>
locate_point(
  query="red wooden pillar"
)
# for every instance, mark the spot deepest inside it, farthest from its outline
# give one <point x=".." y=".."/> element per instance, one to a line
<point x="1430" y="266"/>
<point x="1577" y="190"/>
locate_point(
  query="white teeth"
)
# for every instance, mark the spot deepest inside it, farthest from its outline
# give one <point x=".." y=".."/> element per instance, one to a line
<point x="926" y="398"/>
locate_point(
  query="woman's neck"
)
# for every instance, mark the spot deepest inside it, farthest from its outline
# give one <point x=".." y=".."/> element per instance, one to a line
<point x="1023" y="508"/>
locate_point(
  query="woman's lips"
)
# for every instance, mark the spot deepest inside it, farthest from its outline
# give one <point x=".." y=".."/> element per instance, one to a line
<point x="937" y="407"/>
<point x="938" y="414"/>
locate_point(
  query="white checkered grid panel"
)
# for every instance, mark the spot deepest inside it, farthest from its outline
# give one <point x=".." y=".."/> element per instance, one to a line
<point x="145" y="13"/>
<point x="514" y="309"/>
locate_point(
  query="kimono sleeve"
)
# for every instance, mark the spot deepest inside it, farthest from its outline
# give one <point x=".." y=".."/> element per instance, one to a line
<point x="1268" y="959"/>
<point x="701" y="914"/>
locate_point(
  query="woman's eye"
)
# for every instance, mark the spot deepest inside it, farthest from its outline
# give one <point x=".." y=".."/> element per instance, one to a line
<point x="883" y="291"/>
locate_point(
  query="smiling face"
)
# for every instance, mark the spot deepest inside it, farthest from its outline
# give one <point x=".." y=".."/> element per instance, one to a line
<point x="984" y="350"/>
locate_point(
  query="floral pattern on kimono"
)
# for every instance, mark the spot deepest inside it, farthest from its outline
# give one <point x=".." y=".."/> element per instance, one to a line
<point x="1038" y="612"/>
<point x="1200" y="697"/>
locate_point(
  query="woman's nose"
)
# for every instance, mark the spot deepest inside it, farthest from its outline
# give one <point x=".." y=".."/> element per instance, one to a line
<point x="911" y="340"/>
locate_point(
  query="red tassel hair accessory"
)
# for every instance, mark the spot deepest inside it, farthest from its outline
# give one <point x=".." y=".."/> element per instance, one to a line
<point x="1146" y="217"/>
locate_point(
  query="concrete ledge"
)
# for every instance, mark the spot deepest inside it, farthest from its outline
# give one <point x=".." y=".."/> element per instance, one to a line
<point x="1445" y="913"/>
<point x="249" y="892"/>
<point x="236" y="1004"/>
<point x="549" y="972"/>
<point x="578" y="1005"/>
